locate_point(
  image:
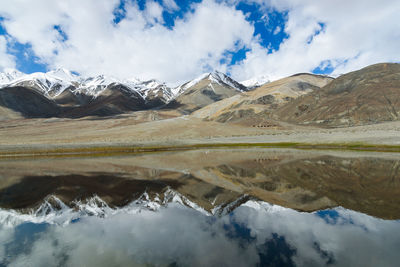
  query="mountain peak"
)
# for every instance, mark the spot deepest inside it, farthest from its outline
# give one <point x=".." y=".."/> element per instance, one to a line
<point x="256" y="81"/>
<point x="62" y="74"/>
<point x="53" y="83"/>
<point x="214" y="77"/>
<point x="217" y="74"/>
<point x="222" y="78"/>
<point x="9" y="75"/>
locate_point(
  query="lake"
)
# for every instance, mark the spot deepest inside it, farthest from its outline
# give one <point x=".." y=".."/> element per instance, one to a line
<point x="209" y="207"/>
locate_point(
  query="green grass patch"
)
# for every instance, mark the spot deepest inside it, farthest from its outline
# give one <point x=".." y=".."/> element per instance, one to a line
<point x="103" y="151"/>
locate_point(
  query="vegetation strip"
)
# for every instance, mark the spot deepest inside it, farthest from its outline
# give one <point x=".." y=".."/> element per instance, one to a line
<point x="121" y="150"/>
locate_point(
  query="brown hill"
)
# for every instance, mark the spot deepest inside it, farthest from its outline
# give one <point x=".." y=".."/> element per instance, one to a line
<point x="205" y="91"/>
<point x="112" y="101"/>
<point x="27" y="103"/>
<point x="256" y="107"/>
<point x="23" y="102"/>
<point x="366" y="96"/>
<point x="68" y="98"/>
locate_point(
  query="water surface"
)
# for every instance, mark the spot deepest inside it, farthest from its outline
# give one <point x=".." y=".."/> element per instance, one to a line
<point x="236" y="207"/>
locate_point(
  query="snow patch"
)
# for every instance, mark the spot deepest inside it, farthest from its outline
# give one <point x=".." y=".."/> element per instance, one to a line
<point x="256" y="81"/>
<point x="55" y="211"/>
<point x="214" y="77"/>
<point x="9" y="75"/>
<point x="55" y="82"/>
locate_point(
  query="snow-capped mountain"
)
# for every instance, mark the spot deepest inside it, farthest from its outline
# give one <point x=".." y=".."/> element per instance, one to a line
<point x="94" y="86"/>
<point x="222" y="78"/>
<point x="9" y="75"/>
<point x="75" y="96"/>
<point x="51" y="83"/>
<point x="204" y="90"/>
<point x="256" y="81"/>
<point x="54" y="83"/>
<point x="215" y="77"/>
<point x="53" y="210"/>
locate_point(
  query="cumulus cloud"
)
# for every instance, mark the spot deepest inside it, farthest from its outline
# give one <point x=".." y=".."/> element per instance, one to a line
<point x="139" y="45"/>
<point x="82" y="36"/>
<point x="345" y="35"/>
<point x="179" y="235"/>
<point x="170" y="5"/>
<point x="154" y="12"/>
<point x="6" y="60"/>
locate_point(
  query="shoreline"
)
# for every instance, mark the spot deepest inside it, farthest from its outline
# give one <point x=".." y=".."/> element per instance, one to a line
<point x="42" y="137"/>
<point x="126" y="149"/>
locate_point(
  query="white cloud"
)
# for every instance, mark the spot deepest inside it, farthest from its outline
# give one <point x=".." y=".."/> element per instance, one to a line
<point x="6" y="60"/>
<point x="138" y="46"/>
<point x="277" y="30"/>
<point x="135" y="236"/>
<point x="154" y="11"/>
<point x="170" y="5"/>
<point x="356" y="33"/>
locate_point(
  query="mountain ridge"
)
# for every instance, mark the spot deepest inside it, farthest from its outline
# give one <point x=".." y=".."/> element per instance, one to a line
<point x="365" y="96"/>
<point x="361" y="97"/>
<point x="206" y="89"/>
<point x="256" y="106"/>
<point x="102" y="95"/>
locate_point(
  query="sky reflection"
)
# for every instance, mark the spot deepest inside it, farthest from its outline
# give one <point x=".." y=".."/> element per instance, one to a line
<point x="256" y="233"/>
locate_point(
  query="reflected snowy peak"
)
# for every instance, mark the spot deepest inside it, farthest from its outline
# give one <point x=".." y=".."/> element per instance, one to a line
<point x="254" y="234"/>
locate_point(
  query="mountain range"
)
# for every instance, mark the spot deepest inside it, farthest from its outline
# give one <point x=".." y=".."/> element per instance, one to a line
<point x="61" y="93"/>
<point x="209" y="180"/>
<point x="366" y="96"/>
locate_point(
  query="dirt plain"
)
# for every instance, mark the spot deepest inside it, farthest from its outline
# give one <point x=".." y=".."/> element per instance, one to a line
<point x="137" y="130"/>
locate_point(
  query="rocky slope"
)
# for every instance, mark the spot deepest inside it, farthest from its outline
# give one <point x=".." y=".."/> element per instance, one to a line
<point x="256" y="107"/>
<point x="73" y="96"/>
<point x="19" y="102"/>
<point x="367" y="96"/>
<point x="70" y="90"/>
<point x="205" y="90"/>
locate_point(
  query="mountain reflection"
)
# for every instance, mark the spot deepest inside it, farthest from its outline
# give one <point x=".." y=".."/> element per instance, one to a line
<point x="302" y="180"/>
<point x="202" y="208"/>
<point x="254" y="234"/>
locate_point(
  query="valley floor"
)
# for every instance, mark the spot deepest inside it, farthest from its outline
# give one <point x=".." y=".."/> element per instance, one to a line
<point x="53" y="133"/>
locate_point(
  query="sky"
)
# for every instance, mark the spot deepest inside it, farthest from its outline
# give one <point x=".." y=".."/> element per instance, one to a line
<point x="177" y="40"/>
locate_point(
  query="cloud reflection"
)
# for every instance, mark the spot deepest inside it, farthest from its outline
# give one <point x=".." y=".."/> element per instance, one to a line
<point x="256" y="233"/>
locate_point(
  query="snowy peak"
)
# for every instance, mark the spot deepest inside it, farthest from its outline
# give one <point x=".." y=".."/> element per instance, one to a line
<point x="97" y="80"/>
<point x="222" y="78"/>
<point x="218" y="76"/>
<point x="55" y="82"/>
<point x="214" y="77"/>
<point x="9" y="75"/>
<point x="62" y="74"/>
<point x="256" y="81"/>
<point x="204" y="90"/>
<point x="50" y="83"/>
<point x="94" y="86"/>
<point x="53" y="210"/>
<point x="182" y="88"/>
<point x="152" y="89"/>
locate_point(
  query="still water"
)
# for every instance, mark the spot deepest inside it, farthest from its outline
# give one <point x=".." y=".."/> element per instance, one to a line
<point x="243" y="207"/>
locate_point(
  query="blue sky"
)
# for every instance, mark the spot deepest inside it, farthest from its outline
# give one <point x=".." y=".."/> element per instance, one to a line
<point x="265" y="25"/>
<point x="177" y="40"/>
